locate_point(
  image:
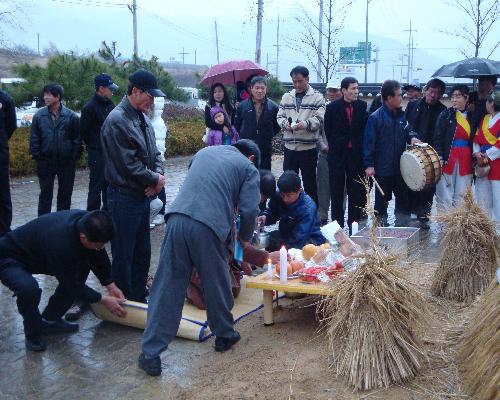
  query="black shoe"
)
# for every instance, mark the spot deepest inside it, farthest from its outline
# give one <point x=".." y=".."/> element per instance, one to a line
<point x="35" y="344"/>
<point x="223" y="344"/>
<point x="423" y="218"/>
<point x="152" y="366"/>
<point x="424" y="225"/>
<point x="76" y="312"/>
<point x="58" y="326"/>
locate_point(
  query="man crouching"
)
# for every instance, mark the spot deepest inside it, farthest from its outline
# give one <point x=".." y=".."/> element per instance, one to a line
<point x="66" y="245"/>
<point x="222" y="182"/>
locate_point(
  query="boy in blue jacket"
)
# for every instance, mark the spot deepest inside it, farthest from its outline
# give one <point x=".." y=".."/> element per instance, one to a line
<point x="297" y="215"/>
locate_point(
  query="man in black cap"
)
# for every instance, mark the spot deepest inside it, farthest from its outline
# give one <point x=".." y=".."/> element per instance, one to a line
<point x="413" y="91"/>
<point x="93" y="115"/>
<point x="134" y="171"/>
<point x="7" y="127"/>
<point x="66" y="245"/>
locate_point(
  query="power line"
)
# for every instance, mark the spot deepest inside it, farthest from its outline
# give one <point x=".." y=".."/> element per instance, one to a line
<point x="93" y="3"/>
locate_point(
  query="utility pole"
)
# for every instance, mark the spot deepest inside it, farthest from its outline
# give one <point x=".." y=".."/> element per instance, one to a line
<point x="195" y="57"/>
<point x="133" y="10"/>
<point x="320" y="41"/>
<point x="410" y="52"/>
<point x="183" y="54"/>
<point x="277" y="45"/>
<point x="216" y="41"/>
<point x="376" y="51"/>
<point x="38" y="42"/>
<point x="258" y="39"/>
<point x="366" y="42"/>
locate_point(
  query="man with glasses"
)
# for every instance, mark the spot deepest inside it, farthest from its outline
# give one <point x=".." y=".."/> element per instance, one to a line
<point x="134" y="171"/>
<point x="66" y="245"/>
<point x="422" y="116"/>
<point x="386" y="136"/>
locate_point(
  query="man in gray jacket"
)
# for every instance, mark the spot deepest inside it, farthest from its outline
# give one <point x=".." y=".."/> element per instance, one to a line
<point x="222" y="182"/>
<point x="134" y="171"/>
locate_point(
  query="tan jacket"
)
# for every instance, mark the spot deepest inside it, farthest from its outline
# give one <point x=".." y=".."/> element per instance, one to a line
<point x="312" y="111"/>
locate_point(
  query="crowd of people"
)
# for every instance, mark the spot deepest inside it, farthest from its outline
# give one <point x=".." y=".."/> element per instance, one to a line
<point x="330" y="145"/>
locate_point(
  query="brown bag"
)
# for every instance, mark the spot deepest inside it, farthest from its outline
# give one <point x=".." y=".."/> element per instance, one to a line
<point x="195" y="293"/>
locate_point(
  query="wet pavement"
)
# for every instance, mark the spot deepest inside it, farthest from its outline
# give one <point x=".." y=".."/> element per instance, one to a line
<point x="99" y="361"/>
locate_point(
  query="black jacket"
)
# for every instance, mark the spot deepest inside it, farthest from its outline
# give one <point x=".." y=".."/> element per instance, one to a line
<point x="8" y="124"/>
<point x="262" y="132"/>
<point x="50" y="245"/>
<point x="55" y="140"/>
<point x="93" y="115"/>
<point x="131" y="158"/>
<point x="445" y="132"/>
<point x="422" y="117"/>
<point x="339" y="133"/>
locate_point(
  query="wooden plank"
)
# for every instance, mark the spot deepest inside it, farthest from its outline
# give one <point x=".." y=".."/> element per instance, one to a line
<point x="293" y="285"/>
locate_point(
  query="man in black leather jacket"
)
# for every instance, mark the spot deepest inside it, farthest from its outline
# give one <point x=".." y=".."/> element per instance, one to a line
<point x="93" y="115"/>
<point x="7" y="128"/>
<point x="134" y="171"/>
<point x="256" y="120"/>
<point x="55" y="145"/>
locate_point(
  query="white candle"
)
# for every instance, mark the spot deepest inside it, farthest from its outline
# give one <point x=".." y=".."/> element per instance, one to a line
<point x="269" y="269"/>
<point x="354" y="228"/>
<point x="283" y="265"/>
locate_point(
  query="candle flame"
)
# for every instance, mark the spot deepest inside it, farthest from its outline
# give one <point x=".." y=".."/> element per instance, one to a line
<point x="269" y="261"/>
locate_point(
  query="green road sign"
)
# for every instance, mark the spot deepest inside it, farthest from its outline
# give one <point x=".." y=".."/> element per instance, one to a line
<point x="355" y="55"/>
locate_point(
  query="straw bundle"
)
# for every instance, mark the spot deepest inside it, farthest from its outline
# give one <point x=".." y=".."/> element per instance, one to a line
<point x="371" y="322"/>
<point x="469" y="258"/>
<point x="480" y="353"/>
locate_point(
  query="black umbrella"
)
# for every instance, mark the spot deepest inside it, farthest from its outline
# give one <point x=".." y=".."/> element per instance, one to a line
<point x="470" y="68"/>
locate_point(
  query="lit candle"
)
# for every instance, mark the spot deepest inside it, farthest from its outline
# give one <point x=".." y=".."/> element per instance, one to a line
<point x="354" y="228"/>
<point x="283" y="265"/>
<point x="269" y="269"/>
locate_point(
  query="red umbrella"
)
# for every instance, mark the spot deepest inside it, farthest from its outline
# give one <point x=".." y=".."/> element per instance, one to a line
<point x="230" y="72"/>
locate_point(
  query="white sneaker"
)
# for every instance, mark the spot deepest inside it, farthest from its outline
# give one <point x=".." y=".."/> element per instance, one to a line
<point x="151" y="226"/>
<point x="158" y="220"/>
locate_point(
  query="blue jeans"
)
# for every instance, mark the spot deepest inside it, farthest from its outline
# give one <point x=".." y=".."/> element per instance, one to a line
<point x="131" y="246"/>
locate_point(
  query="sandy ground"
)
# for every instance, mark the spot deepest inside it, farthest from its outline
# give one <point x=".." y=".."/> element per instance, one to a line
<point x="290" y="361"/>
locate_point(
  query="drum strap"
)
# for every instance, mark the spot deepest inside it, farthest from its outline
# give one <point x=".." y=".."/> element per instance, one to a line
<point x="429" y="160"/>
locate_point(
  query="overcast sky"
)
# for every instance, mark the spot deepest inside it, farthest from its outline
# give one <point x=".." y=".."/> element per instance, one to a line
<point x="167" y="27"/>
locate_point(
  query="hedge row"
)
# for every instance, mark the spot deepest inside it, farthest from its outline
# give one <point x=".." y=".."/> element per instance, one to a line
<point x="185" y="137"/>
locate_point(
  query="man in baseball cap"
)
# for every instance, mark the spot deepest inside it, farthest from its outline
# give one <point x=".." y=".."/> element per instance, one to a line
<point x="105" y="81"/>
<point x="146" y="81"/>
<point x="413" y="91"/>
<point x="133" y="169"/>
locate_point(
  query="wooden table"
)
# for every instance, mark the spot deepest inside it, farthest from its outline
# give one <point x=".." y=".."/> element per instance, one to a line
<point x="263" y="282"/>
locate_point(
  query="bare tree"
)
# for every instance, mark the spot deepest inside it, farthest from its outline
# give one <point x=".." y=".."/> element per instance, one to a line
<point x="308" y="43"/>
<point x="12" y="13"/>
<point x="481" y="16"/>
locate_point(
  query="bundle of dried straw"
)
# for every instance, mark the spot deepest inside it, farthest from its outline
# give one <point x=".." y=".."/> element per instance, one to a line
<point x="371" y="322"/>
<point x="480" y="353"/>
<point x="469" y="257"/>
